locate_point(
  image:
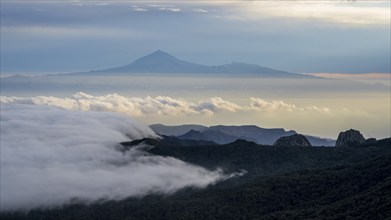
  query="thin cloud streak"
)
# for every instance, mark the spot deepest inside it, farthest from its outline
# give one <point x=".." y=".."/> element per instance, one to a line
<point x="385" y="76"/>
<point x="72" y="32"/>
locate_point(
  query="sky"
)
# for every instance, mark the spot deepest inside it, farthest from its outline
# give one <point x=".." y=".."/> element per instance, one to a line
<point x="40" y="37"/>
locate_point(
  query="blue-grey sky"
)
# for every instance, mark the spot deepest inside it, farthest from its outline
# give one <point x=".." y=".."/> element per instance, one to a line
<point x="298" y="36"/>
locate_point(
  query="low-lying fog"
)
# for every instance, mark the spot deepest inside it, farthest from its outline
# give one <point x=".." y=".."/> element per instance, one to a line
<point x="51" y="157"/>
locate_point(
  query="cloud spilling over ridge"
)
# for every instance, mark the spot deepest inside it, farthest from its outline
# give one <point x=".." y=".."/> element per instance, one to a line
<point x="160" y="105"/>
<point x="51" y="156"/>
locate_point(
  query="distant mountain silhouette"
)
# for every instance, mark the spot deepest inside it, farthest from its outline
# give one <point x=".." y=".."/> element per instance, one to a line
<point x="295" y="140"/>
<point x="158" y="62"/>
<point x="209" y="135"/>
<point x="176" y="130"/>
<point x="162" y="62"/>
<point x="223" y="134"/>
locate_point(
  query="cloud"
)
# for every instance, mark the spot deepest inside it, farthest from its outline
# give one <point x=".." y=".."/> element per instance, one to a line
<point x="384" y="76"/>
<point x="200" y="10"/>
<point x="160" y="6"/>
<point x="165" y="7"/>
<point x="170" y="9"/>
<point x="160" y="105"/>
<point x="216" y="104"/>
<point x="51" y="156"/>
<point x="378" y="79"/>
<point x="73" y="32"/>
<point x="350" y="13"/>
<point x="260" y="104"/>
<point x="138" y="8"/>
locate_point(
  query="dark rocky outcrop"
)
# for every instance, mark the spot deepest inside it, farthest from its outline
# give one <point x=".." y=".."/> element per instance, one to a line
<point x="349" y="138"/>
<point x="296" y="140"/>
<point x="369" y="141"/>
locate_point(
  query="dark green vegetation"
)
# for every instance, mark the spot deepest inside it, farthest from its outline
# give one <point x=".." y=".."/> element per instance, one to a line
<point x="262" y="160"/>
<point x="281" y="183"/>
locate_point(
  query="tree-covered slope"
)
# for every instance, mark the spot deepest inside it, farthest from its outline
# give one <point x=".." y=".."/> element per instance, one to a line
<point x="270" y="160"/>
<point x="329" y="183"/>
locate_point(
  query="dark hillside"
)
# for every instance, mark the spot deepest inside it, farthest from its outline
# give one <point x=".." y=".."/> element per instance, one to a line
<point x="319" y="183"/>
<point x="270" y="160"/>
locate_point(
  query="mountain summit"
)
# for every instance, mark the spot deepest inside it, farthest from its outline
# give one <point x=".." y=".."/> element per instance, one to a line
<point x="162" y="62"/>
<point x="158" y="62"/>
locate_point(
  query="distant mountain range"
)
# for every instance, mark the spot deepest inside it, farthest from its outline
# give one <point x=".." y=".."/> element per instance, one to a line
<point x="221" y="134"/>
<point x="162" y="62"/>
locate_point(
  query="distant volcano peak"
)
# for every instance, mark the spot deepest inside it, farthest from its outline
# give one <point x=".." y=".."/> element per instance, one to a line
<point x="162" y="62"/>
<point x="159" y="53"/>
<point x="157" y="56"/>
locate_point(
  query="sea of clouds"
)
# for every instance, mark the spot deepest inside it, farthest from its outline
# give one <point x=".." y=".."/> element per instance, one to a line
<point x="51" y="156"/>
<point x="159" y="105"/>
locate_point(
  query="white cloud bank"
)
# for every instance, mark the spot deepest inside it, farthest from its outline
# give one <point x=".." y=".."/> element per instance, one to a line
<point x="160" y="105"/>
<point x="50" y="156"/>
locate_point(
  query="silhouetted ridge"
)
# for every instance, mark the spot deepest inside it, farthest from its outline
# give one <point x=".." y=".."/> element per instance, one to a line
<point x="223" y="134"/>
<point x="208" y="135"/>
<point x="296" y="140"/>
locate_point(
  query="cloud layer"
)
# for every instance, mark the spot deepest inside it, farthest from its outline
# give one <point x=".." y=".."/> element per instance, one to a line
<point x="51" y="156"/>
<point x="351" y="13"/>
<point x="160" y="105"/>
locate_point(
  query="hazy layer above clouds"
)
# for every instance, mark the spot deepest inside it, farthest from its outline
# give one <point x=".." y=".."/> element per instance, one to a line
<point x="189" y="86"/>
<point x="50" y="156"/>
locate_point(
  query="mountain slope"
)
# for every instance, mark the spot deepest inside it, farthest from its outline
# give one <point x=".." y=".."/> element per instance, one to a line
<point x="158" y="62"/>
<point x="162" y="62"/>
<point x="359" y="188"/>
<point x="261" y="160"/>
